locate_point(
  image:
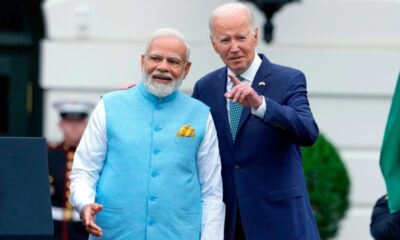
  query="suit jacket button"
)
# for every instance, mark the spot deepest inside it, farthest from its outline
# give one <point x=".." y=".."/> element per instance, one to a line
<point x="237" y="167"/>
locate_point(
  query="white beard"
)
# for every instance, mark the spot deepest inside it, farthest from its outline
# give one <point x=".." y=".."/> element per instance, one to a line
<point x="161" y="89"/>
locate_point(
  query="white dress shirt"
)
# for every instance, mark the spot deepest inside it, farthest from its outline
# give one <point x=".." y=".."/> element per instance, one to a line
<point x="90" y="156"/>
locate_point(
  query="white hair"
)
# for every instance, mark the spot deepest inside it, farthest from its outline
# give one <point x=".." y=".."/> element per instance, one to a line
<point x="168" y="32"/>
<point x="229" y="9"/>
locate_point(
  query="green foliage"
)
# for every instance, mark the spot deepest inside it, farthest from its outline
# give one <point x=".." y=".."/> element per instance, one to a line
<point x="328" y="185"/>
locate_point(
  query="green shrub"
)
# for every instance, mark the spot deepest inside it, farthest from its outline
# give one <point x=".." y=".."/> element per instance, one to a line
<point x="328" y="185"/>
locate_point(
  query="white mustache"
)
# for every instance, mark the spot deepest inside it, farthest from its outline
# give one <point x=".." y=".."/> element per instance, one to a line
<point x="162" y="75"/>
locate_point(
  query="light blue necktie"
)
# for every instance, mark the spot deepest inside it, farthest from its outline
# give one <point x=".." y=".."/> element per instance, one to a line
<point x="235" y="110"/>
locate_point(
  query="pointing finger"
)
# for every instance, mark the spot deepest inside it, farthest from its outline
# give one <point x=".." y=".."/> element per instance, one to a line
<point x="234" y="79"/>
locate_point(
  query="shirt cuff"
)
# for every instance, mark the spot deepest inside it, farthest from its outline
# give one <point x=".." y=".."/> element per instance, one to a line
<point x="260" y="111"/>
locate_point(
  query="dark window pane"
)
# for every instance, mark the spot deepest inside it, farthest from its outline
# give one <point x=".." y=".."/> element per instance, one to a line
<point x="4" y="92"/>
<point x="10" y="16"/>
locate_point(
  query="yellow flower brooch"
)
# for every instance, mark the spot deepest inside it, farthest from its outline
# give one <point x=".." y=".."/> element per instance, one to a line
<point x="186" y="131"/>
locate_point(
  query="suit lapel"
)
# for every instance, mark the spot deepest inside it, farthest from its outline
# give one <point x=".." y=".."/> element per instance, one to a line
<point x="221" y="103"/>
<point x="260" y="84"/>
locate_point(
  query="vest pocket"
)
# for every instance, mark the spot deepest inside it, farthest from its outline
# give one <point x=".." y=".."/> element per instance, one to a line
<point x="185" y="142"/>
<point x="119" y="222"/>
<point x="191" y="222"/>
<point x="110" y="220"/>
<point x="185" y="155"/>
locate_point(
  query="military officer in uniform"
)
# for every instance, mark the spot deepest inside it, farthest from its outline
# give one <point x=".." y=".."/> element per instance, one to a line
<point x="73" y="120"/>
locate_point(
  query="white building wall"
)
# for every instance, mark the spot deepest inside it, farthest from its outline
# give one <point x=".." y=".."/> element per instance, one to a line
<point x="349" y="51"/>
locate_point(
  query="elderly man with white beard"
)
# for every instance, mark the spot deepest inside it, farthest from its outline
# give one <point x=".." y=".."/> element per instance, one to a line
<point x="148" y="164"/>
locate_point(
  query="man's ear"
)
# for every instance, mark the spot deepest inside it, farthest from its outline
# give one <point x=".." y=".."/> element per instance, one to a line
<point x="256" y="33"/>
<point x="61" y="125"/>
<point x="142" y="62"/>
<point x="213" y="43"/>
<point x="186" y="69"/>
<point x="256" y="36"/>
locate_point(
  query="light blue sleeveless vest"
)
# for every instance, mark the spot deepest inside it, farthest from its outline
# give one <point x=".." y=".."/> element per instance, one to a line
<point x="149" y="185"/>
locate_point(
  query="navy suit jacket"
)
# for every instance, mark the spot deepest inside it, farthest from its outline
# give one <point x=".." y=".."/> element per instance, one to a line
<point x="262" y="170"/>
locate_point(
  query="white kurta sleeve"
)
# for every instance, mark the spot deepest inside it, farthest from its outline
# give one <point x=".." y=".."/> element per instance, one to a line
<point x="209" y="169"/>
<point x="89" y="159"/>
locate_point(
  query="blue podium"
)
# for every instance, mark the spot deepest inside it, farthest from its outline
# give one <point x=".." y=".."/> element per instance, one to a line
<point x="25" y="205"/>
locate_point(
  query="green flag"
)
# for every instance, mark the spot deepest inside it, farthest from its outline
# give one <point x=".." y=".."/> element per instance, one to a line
<point x="390" y="152"/>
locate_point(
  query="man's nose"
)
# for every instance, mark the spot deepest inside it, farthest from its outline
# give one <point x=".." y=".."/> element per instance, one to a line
<point x="235" y="46"/>
<point x="163" y="65"/>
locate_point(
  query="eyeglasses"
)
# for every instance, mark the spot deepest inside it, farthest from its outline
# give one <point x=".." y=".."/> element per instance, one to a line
<point x="171" y="61"/>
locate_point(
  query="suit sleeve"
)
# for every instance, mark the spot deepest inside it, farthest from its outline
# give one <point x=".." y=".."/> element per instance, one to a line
<point x="293" y="117"/>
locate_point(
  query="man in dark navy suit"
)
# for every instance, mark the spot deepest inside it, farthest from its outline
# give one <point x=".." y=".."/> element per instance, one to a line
<point x="384" y="225"/>
<point x="262" y="117"/>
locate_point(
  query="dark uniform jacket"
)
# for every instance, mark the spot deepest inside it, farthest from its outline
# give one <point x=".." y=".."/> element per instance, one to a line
<point x="384" y="225"/>
<point x="66" y="226"/>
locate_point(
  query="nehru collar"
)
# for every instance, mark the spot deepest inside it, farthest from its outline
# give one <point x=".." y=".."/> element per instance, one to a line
<point x="153" y="98"/>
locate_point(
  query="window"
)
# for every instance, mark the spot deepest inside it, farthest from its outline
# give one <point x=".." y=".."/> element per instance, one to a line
<point x="4" y="112"/>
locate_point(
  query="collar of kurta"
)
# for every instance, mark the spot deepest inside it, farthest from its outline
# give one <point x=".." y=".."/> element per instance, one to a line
<point x="154" y="99"/>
